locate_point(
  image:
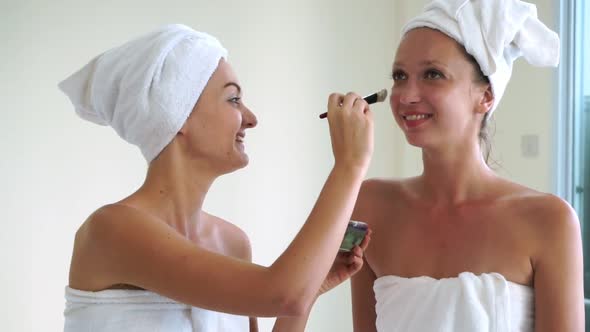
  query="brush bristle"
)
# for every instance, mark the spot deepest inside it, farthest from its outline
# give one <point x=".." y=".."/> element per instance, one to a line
<point x="381" y="95"/>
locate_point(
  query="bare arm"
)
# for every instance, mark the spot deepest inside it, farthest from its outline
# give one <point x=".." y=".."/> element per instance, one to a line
<point x="345" y="266"/>
<point x="247" y="255"/>
<point x="131" y="247"/>
<point x="363" y="296"/>
<point x="292" y="324"/>
<point x="363" y="300"/>
<point x="253" y="324"/>
<point x="558" y="279"/>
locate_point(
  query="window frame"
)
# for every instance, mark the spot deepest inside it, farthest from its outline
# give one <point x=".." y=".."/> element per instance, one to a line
<point x="569" y="119"/>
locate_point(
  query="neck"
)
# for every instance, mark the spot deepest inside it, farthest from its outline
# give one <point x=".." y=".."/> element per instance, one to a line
<point x="175" y="189"/>
<point x="454" y="175"/>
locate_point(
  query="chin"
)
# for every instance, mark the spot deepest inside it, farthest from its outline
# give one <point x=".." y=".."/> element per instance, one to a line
<point x="415" y="144"/>
<point x="240" y="162"/>
<point x="244" y="163"/>
<point x="424" y="141"/>
<point x="418" y="141"/>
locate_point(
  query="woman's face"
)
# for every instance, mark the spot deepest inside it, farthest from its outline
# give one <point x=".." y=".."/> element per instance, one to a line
<point x="215" y="131"/>
<point x="434" y="97"/>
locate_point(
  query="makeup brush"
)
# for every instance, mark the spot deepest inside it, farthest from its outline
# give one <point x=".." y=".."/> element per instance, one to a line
<point x="377" y="97"/>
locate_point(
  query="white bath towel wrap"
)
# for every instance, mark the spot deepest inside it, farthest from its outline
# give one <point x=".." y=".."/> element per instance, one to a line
<point x="467" y="303"/>
<point x="120" y="310"/>
<point x="146" y="88"/>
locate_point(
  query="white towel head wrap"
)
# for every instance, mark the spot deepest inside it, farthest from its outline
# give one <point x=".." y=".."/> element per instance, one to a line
<point x="495" y="33"/>
<point x="146" y="88"/>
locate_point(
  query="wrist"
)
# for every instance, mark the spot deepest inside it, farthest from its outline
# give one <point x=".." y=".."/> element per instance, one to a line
<point x="353" y="171"/>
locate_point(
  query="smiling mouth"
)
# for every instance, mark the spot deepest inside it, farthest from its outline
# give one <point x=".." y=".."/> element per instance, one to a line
<point x="416" y="117"/>
<point x="240" y="137"/>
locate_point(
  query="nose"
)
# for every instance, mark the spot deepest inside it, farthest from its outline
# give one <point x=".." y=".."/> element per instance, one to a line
<point x="249" y="120"/>
<point x="409" y="93"/>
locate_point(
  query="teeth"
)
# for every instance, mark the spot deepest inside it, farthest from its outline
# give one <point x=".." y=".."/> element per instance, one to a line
<point x="415" y="117"/>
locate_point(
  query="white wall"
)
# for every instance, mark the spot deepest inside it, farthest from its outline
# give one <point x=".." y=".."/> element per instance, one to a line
<point x="528" y="108"/>
<point x="15" y="198"/>
<point x="56" y="168"/>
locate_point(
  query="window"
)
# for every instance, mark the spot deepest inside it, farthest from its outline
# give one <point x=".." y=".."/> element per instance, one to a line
<point x="573" y="134"/>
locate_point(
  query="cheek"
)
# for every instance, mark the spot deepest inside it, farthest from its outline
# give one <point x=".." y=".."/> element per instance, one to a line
<point x="393" y="99"/>
<point x="443" y="97"/>
<point x="228" y="124"/>
<point x="394" y="102"/>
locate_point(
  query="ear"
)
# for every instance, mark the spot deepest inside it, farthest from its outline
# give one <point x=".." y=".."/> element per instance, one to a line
<point x="184" y="128"/>
<point x="487" y="100"/>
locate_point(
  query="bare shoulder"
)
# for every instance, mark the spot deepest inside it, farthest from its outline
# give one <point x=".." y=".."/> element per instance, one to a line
<point x="107" y="232"/>
<point x="549" y="218"/>
<point x="380" y="187"/>
<point x="112" y="221"/>
<point x="547" y="212"/>
<point x="377" y="193"/>
<point x="235" y="240"/>
<point x="108" y="223"/>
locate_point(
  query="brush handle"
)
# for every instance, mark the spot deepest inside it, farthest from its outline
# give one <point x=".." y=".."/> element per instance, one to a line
<point x="370" y="99"/>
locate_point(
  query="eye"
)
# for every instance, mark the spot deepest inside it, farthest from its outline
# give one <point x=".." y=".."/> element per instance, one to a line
<point x="398" y="75"/>
<point x="235" y="100"/>
<point x="433" y="74"/>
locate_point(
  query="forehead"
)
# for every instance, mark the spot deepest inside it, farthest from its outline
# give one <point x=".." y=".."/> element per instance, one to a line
<point x="428" y="44"/>
<point x="222" y="75"/>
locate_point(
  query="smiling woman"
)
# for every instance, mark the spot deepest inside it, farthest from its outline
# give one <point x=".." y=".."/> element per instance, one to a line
<point x="443" y="80"/>
<point x="219" y="116"/>
<point x="288" y="57"/>
<point x="459" y="248"/>
<point x="155" y="260"/>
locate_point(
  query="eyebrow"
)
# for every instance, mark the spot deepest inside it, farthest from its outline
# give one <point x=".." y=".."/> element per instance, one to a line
<point x="236" y="85"/>
<point x="423" y="63"/>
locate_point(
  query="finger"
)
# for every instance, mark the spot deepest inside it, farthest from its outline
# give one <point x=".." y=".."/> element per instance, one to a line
<point x="357" y="251"/>
<point x="355" y="267"/>
<point x="335" y="100"/>
<point x="349" y="99"/>
<point x="358" y="261"/>
<point x="360" y="105"/>
<point x="351" y="259"/>
<point x="365" y="243"/>
<point x="369" y="115"/>
<point x="342" y="257"/>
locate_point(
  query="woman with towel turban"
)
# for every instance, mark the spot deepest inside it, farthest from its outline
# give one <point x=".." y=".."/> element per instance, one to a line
<point x="155" y="261"/>
<point x="459" y="248"/>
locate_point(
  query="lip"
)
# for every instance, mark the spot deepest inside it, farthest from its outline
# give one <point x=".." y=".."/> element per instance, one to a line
<point x="240" y="137"/>
<point x="415" y="122"/>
